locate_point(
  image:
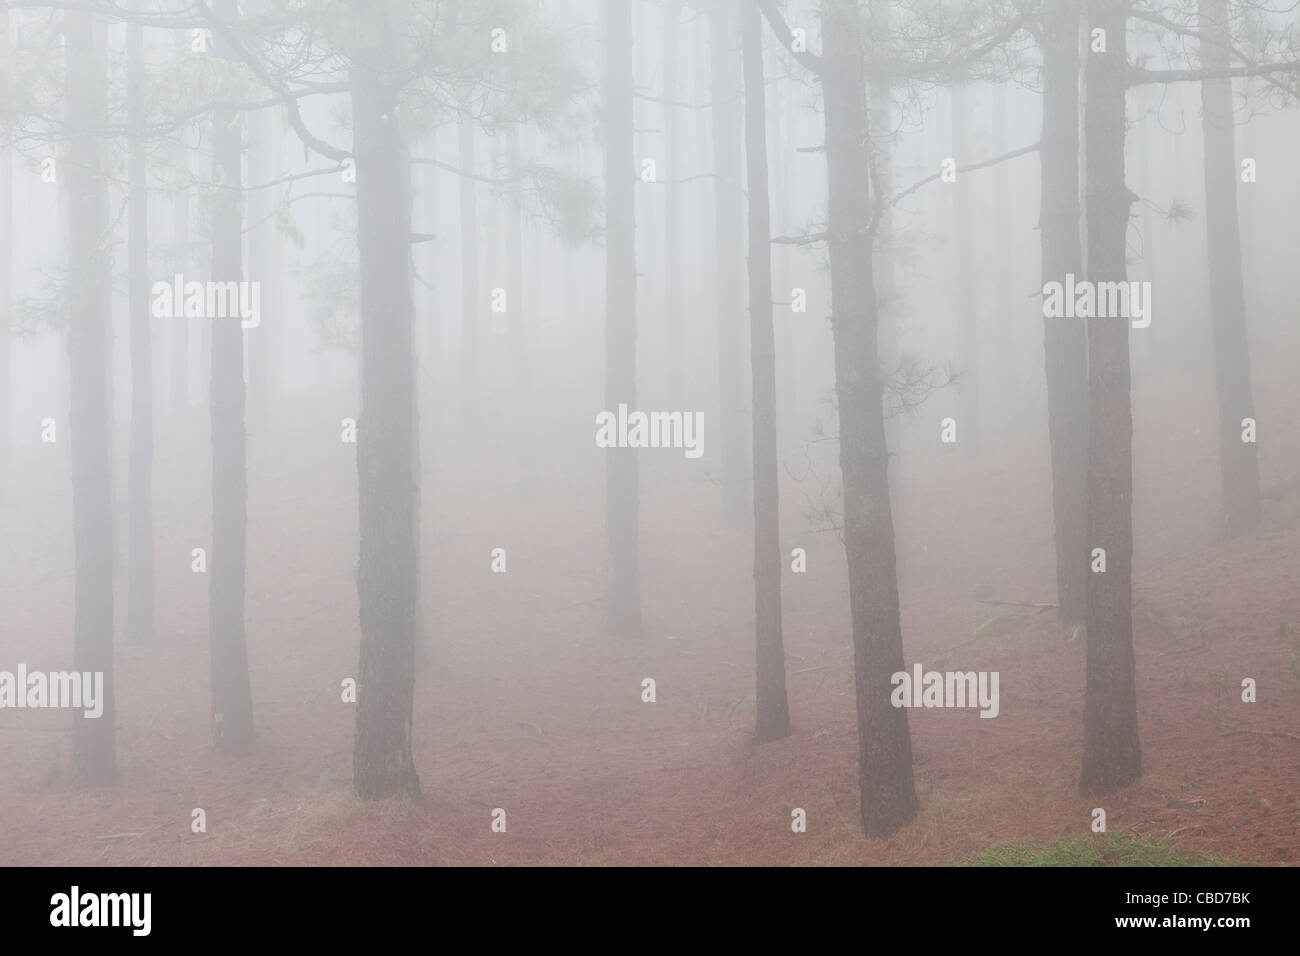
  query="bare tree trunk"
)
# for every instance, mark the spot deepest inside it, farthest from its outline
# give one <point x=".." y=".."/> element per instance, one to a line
<point x="674" y="349"/>
<point x="387" y="576"/>
<point x="232" y="700"/>
<point x="491" y="218"/>
<point x="1238" y="462"/>
<point x="885" y="748"/>
<point x="469" y="298"/>
<point x="180" y="324"/>
<point x="140" y="596"/>
<point x="6" y="287"/>
<point x="420" y="636"/>
<point x="1111" y="754"/>
<point x="93" y="746"/>
<point x="432" y="345"/>
<point x="622" y="491"/>
<point x="786" y="372"/>
<point x="1065" y="340"/>
<point x="966" y="305"/>
<point x="1004" y="309"/>
<point x="728" y="214"/>
<point x="515" y="268"/>
<point x="769" y="651"/>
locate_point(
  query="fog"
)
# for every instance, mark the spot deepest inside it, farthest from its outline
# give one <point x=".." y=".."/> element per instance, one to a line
<point x="561" y="483"/>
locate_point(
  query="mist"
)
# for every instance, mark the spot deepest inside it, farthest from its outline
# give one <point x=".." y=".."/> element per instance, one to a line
<point x="728" y="433"/>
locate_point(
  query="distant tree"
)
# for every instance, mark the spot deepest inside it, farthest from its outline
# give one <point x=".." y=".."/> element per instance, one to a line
<point x="469" y="273"/>
<point x="93" y="748"/>
<point x="728" y="211"/>
<point x="1239" y="509"/>
<point x="622" y="486"/>
<point x="771" y="704"/>
<point x="1064" y="342"/>
<point x="140" y="593"/>
<point x="967" y="304"/>
<point x="232" y="701"/>
<point x="674" y="350"/>
<point x="6" y="275"/>
<point x="179" y="372"/>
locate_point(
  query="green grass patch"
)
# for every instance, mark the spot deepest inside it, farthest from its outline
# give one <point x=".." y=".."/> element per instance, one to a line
<point x="1116" y="849"/>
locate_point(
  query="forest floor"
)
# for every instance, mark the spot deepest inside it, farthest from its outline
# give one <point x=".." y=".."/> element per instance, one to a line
<point x="526" y="705"/>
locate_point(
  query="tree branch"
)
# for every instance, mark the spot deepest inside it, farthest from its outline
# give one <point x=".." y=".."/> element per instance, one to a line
<point x="898" y="197"/>
<point x="810" y="61"/>
<point x="287" y="97"/>
<point x="1137" y="76"/>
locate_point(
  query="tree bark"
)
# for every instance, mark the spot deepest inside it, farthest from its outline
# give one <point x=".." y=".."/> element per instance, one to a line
<point x="232" y="700"/>
<point x="515" y="268"/>
<point x="622" y="491"/>
<point x="6" y="287"/>
<point x="140" y="596"/>
<point x="674" y="349"/>
<point x="1004" y="307"/>
<point x="93" y="745"/>
<point x="885" y="749"/>
<point x="967" y="305"/>
<point x="387" y="578"/>
<point x="1064" y="340"/>
<point x="1111" y="753"/>
<point x="180" y="325"/>
<point x="1238" y="461"/>
<point x="771" y="704"/>
<point x="728" y="210"/>
<point x="469" y="300"/>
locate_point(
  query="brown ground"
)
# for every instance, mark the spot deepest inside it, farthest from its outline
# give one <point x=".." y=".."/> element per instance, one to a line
<point x="527" y="706"/>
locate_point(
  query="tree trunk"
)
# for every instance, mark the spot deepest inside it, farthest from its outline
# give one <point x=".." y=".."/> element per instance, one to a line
<point x="515" y="268"/>
<point x="387" y="576"/>
<point x="180" y="325"/>
<point x="674" y="349"/>
<point x="469" y="301"/>
<point x="622" y="492"/>
<point x="1238" y="462"/>
<point x="431" y="347"/>
<point x="1065" y="341"/>
<point x="420" y="636"/>
<point x="884" y="746"/>
<point x="769" y="651"/>
<point x="1111" y="754"/>
<point x="232" y="701"/>
<point x="1004" y="303"/>
<point x="967" y="302"/>
<point x="140" y="596"/>
<point x="93" y="747"/>
<point x="724" y="90"/>
<point x="6" y="288"/>
<point x="782" y="149"/>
